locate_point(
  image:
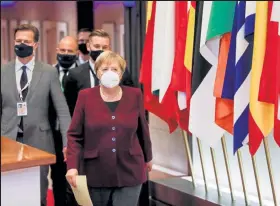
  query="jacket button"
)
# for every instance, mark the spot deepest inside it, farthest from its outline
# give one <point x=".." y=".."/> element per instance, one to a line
<point x="113" y="117"/>
<point x="113" y="150"/>
<point x="113" y="139"/>
<point x="113" y="128"/>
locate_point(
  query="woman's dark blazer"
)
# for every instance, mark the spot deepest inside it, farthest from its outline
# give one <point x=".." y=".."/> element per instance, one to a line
<point x="115" y="145"/>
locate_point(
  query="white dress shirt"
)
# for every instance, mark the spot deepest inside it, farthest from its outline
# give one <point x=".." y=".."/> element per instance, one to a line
<point x="81" y="61"/>
<point x="90" y="74"/>
<point x="29" y="71"/>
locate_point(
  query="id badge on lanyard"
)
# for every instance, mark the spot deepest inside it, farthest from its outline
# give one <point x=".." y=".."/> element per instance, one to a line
<point x="22" y="106"/>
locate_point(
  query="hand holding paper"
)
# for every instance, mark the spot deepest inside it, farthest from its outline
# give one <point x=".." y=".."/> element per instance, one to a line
<point x="71" y="176"/>
<point x="81" y="192"/>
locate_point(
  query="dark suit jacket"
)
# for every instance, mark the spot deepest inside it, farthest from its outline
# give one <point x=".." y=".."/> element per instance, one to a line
<point x="79" y="78"/>
<point x="52" y="119"/>
<point x="110" y="162"/>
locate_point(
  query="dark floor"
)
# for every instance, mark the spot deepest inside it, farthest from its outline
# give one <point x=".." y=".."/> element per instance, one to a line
<point x="157" y="203"/>
<point x="156" y="175"/>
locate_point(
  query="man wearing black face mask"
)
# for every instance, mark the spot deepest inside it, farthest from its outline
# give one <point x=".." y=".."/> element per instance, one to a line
<point x="83" y="76"/>
<point x="27" y="86"/>
<point x="67" y="51"/>
<point x="83" y="36"/>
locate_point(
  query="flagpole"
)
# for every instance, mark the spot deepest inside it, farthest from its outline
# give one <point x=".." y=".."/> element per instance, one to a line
<point x="239" y="156"/>
<point x="202" y="163"/>
<point x="187" y="146"/>
<point x="215" y="170"/>
<point x="268" y="160"/>
<point x="227" y="166"/>
<point x="257" y="179"/>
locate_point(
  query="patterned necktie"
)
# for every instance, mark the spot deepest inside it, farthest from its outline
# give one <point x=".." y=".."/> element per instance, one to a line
<point x="23" y="83"/>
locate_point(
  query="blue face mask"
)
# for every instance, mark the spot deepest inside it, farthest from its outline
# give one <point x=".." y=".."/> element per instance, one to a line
<point x="23" y="50"/>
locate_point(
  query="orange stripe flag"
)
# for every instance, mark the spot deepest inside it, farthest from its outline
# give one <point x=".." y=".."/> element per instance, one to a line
<point x="223" y="107"/>
<point x="261" y="114"/>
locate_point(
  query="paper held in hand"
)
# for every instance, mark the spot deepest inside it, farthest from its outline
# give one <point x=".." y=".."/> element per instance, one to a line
<point x="81" y="192"/>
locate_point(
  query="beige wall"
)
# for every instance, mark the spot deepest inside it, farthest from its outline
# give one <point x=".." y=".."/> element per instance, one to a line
<point x="168" y="149"/>
<point x="107" y="16"/>
<point x="109" y="13"/>
<point x="112" y="14"/>
<point x="43" y="10"/>
<point x="50" y="15"/>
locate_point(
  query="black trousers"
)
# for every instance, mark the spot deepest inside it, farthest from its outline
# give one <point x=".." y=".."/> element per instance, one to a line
<point x="63" y="195"/>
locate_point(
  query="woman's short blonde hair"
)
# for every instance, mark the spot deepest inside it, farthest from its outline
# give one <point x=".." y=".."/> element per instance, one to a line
<point x="109" y="57"/>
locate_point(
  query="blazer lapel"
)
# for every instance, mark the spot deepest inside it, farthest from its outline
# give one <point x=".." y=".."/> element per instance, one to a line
<point x="96" y="80"/>
<point x="86" y="74"/>
<point x="13" y="82"/>
<point x="36" y="76"/>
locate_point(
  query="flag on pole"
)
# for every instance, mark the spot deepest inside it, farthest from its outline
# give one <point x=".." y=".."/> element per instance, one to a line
<point x="202" y="103"/>
<point x="223" y="107"/>
<point x="149" y="7"/>
<point x="181" y="75"/>
<point x="270" y="78"/>
<point x="163" y="55"/>
<point x="276" y="17"/>
<point x="163" y="47"/>
<point x="261" y="114"/>
<point x="237" y="76"/>
<point x="151" y="101"/>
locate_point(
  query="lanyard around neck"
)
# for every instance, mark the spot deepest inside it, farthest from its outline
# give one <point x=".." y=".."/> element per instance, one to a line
<point x="21" y="90"/>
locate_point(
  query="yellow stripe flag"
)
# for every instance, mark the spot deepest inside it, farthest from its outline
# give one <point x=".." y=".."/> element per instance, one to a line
<point x="261" y="114"/>
<point x="149" y="5"/>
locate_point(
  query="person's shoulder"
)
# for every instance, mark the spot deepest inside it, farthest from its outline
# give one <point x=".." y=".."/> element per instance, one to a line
<point x="79" y="69"/>
<point x="132" y="90"/>
<point x="89" y="91"/>
<point x="44" y="66"/>
<point x="5" y="67"/>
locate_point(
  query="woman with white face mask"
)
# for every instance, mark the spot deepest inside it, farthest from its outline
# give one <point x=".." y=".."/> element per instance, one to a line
<point x="110" y="130"/>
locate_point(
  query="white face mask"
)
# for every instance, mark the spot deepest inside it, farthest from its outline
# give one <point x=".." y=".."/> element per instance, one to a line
<point x="110" y="79"/>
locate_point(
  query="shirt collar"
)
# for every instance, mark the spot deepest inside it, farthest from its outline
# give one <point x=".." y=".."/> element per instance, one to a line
<point x="73" y="66"/>
<point x="81" y="60"/>
<point x="29" y="65"/>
